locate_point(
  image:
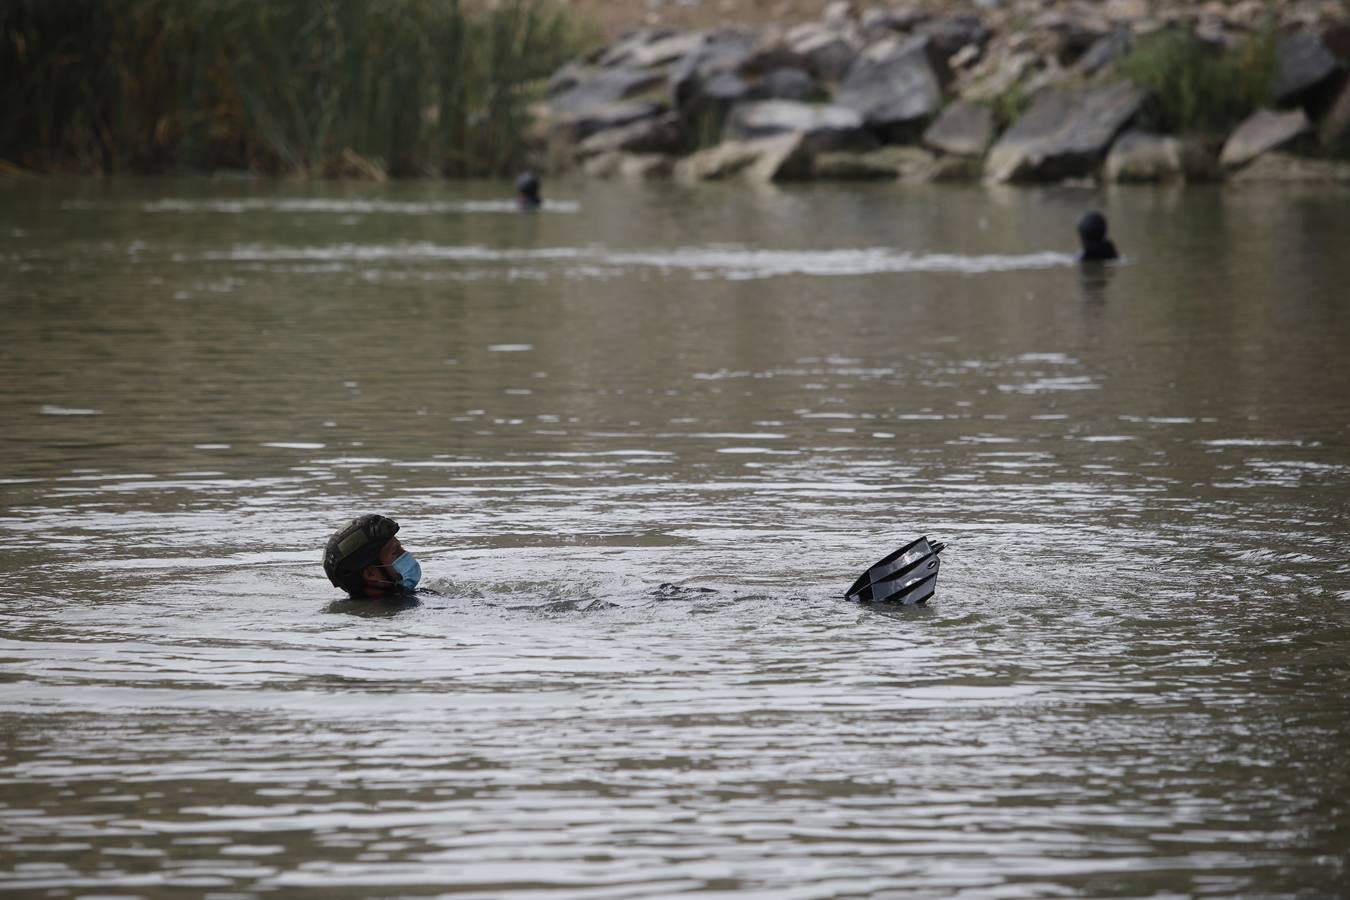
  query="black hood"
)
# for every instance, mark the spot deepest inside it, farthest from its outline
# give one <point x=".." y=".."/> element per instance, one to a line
<point x="1092" y="228"/>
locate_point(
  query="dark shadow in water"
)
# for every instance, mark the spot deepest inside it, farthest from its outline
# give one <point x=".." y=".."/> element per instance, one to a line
<point x="1094" y="281"/>
<point x="375" y="609"/>
<point x="899" y="611"/>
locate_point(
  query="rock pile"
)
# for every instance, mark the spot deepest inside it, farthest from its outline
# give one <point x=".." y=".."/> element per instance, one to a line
<point x="1006" y="90"/>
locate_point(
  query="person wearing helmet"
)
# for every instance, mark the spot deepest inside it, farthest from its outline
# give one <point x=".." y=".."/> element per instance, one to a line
<point x="1096" y="246"/>
<point x="365" y="559"/>
<point x="527" y="191"/>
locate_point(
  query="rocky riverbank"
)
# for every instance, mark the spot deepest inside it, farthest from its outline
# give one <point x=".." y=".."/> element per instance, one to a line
<point x="1000" y="90"/>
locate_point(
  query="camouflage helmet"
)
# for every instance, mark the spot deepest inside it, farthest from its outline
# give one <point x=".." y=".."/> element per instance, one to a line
<point x="355" y="546"/>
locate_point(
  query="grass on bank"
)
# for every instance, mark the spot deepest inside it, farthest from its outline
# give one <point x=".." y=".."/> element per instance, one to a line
<point x="1197" y="88"/>
<point x="403" y="86"/>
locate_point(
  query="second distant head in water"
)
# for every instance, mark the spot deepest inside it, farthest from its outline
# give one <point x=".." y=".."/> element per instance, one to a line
<point x="527" y="191"/>
<point x="1097" y="247"/>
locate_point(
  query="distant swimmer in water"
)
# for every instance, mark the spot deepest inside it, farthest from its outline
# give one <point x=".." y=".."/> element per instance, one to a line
<point x="1096" y="246"/>
<point x="364" y="559"/>
<point x="527" y="191"/>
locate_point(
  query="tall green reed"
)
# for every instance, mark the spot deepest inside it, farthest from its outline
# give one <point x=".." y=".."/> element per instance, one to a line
<point x="1197" y="88"/>
<point x="413" y="86"/>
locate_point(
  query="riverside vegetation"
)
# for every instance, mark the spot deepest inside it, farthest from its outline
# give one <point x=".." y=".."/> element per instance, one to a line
<point x="337" y="87"/>
<point x="1007" y="90"/>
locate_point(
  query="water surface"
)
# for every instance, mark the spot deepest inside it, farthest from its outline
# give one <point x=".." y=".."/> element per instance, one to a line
<point x="641" y="441"/>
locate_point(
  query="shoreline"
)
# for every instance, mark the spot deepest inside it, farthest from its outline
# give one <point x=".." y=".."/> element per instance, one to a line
<point x="1018" y="92"/>
<point x="1006" y="91"/>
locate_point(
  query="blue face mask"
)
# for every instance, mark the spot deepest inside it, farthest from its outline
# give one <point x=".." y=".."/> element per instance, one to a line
<point x="409" y="571"/>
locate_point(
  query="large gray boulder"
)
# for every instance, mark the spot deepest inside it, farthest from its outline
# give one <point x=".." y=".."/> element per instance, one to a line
<point x="716" y="93"/>
<point x="837" y="13"/>
<point x="1064" y="134"/>
<point x="706" y="105"/>
<point x="1105" y="51"/>
<point x="828" y="51"/>
<point x="578" y="126"/>
<point x="1303" y="64"/>
<point x="1142" y="156"/>
<point x="772" y="53"/>
<point x="786" y="83"/>
<point x="724" y="50"/>
<point x="1284" y="167"/>
<point x="909" y="164"/>
<point x="825" y="127"/>
<point x="955" y="33"/>
<point x="1001" y="72"/>
<point x="963" y="129"/>
<point x="781" y="157"/>
<point x="1068" y="36"/>
<point x="563" y="80"/>
<point x="1263" y="131"/>
<point x="666" y="50"/>
<point x="658" y="134"/>
<point x="581" y="91"/>
<point x="894" y="85"/>
<point x="648" y="48"/>
<point x="881" y="21"/>
<point x="709" y="78"/>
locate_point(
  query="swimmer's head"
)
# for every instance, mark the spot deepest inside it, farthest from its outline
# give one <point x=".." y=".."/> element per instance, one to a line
<point x="365" y="559"/>
<point x="527" y="189"/>
<point x="1092" y="227"/>
<point x="1096" y="246"/>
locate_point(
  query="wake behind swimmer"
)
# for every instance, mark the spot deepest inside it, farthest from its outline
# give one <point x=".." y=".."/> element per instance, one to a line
<point x="366" y="559"/>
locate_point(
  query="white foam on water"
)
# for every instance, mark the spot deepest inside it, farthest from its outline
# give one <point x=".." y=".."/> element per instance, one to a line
<point x="346" y="207"/>
<point x="50" y="409"/>
<point x="1041" y="385"/>
<point x="700" y="262"/>
<point x="1250" y="442"/>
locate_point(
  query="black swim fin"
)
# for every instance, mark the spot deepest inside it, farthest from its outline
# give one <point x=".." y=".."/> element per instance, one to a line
<point x="909" y="575"/>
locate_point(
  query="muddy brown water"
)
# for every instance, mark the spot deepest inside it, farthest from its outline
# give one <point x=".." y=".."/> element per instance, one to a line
<point x="641" y="441"/>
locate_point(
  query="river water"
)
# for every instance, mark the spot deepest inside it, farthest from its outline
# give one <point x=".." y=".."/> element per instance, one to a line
<point x="641" y="441"/>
